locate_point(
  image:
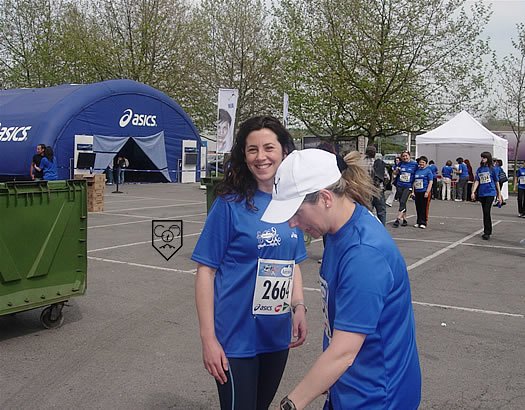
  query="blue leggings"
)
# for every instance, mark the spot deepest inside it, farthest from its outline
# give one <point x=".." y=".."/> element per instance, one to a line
<point x="252" y="382"/>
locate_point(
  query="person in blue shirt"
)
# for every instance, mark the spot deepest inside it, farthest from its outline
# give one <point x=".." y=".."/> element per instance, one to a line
<point x="519" y="185"/>
<point x="502" y="177"/>
<point x="461" y="186"/>
<point x="248" y="287"/>
<point x="433" y="167"/>
<point x="486" y="180"/>
<point x="48" y="165"/>
<point x="423" y="182"/>
<point x="370" y="358"/>
<point x="446" y="181"/>
<point x="405" y="179"/>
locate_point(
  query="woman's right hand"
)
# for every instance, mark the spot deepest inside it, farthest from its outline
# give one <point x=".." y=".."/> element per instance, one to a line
<point x="214" y="359"/>
<point x="473" y="196"/>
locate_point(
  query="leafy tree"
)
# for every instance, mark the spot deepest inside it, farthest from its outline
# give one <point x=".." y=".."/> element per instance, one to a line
<point x="512" y="88"/>
<point x="379" y="67"/>
<point x="29" y="43"/>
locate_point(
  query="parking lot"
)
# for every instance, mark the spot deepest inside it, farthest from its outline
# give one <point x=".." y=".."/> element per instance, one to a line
<point x="132" y="342"/>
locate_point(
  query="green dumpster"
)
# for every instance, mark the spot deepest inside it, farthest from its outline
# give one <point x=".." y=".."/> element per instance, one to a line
<point x="43" y="250"/>
<point x="210" y="183"/>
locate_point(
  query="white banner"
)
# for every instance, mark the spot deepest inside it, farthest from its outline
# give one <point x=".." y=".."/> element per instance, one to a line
<point x="285" y="110"/>
<point x="227" y="107"/>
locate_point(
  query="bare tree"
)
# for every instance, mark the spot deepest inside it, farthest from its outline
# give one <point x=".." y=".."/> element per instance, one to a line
<point x="511" y="75"/>
<point x="233" y="50"/>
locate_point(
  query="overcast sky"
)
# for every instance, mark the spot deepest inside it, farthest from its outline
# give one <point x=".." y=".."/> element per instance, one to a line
<point x="502" y="26"/>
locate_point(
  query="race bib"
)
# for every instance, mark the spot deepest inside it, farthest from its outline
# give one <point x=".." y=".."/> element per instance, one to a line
<point x="484" y="177"/>
<point x="521" y="180"/>
<point x="273" y="287"/>
<point x="404" y="177"/>
<point x="418" y="184"/>
<point x="324" y="300"/>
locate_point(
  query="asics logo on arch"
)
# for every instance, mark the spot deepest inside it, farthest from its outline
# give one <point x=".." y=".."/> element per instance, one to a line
<point x="138" y="120"/>
<point x="15" y="134"/>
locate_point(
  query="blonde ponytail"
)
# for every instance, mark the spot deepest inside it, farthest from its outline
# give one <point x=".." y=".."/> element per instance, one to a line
<point x="358" y="184"/>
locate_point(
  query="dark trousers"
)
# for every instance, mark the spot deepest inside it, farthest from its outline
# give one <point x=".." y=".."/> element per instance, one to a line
<point x="422" y="207"/>
<point x="461" y="189"/>
<point x="521" y="201"/>
<point x="435" y="191"/>
<point x="378" y="203"/>
<point x="486" y="205"/>
<point x="252" y="382"/>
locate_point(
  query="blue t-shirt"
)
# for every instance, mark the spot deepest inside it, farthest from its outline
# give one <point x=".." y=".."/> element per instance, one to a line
<point x="521" y="178"/>
<point x="49" y="168"/>
<point x="487" y="178"/>
<point x="422" y="178"/>
<point x="232" y="241"/>
<point x="464" y="171"/>
<point x="434" y="170"/>
<point x="365" y="289"/>
<point x="406" y="174"/>
<point x="446" y="172"/>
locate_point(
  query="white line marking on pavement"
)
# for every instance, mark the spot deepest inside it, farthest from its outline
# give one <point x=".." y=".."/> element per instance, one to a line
<point x="446" y="249"/>
<point x="488" y="312"/>
<point x="157" y="207"/>
<point x="149" y="220"/>
<point x="107" y="199"/>
<point x="133" y="244"/>
<point x="462" y="244"/>
<point x="140" y="265"/>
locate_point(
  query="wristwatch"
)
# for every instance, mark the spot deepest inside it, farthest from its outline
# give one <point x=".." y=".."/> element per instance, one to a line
<point x="287" y="404"/>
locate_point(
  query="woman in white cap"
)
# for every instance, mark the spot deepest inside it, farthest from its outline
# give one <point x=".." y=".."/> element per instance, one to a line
<point x="370" y="357"/>
<point x="248" y="289"/>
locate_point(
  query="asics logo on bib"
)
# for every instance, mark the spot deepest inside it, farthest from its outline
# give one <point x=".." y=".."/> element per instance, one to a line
<point x="138" y="120"/>
<point x="15" y="134"/>
<point x="263" y="308"/>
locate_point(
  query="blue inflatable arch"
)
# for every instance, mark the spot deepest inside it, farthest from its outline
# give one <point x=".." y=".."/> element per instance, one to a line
<point x="113" y="112"/>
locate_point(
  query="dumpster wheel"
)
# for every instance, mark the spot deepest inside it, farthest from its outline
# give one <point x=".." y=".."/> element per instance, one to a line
<point x="52" y="316"/>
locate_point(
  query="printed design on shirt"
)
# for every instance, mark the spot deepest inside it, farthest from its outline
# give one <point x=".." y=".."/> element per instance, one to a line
<point x="269" y="237"/>
<point x="293" y="235"/>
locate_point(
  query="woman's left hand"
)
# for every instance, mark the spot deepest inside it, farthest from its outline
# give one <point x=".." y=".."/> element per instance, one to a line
<point x="299" y="327"/>
<point x="426" y="194"/>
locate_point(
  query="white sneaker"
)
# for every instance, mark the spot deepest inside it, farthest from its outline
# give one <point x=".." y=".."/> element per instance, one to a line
<point x="416" y="226"/>
<point x="457" y="200"/>
<point x="423" y="226"/>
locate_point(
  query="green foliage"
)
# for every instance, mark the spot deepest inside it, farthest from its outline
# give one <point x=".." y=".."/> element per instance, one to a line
<point x="379" y="67"/>
<point x="350" y="67"/>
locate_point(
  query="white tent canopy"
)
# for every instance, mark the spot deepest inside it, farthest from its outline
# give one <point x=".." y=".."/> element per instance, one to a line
<point x="462" y="136"/>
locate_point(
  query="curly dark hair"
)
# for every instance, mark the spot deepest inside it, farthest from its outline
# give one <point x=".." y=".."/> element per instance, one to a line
<point x="238" y="180"/>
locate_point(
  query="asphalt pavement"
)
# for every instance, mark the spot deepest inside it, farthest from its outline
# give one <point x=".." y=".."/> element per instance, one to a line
<point x="132" y="341"/>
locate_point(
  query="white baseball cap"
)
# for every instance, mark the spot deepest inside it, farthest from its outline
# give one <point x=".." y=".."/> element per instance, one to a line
<point x="301" y="173"/>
